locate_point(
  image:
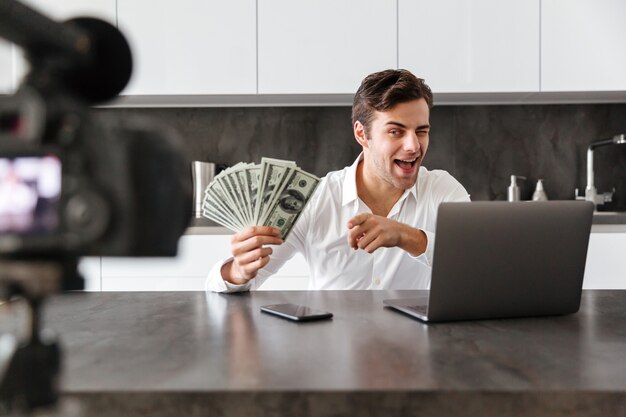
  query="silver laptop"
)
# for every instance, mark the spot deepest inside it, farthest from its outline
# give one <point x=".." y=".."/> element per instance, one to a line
<point x="501" y="259"/>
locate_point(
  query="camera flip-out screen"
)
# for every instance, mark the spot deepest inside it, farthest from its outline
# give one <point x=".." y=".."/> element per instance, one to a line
<point x="30" y="190"/>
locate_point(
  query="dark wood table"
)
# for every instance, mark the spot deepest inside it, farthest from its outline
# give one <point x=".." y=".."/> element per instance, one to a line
<point x="192" y="354"/>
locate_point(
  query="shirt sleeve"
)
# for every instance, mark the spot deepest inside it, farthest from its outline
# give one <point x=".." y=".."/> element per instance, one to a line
<point x="450" y="191"/>
<point x="215" y="282"/>
<point x="426" y="258"/>
<point x="281" y="254"/>
<point x="459" y="193"/>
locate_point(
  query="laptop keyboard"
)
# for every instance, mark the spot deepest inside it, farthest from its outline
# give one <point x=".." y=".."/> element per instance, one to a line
<point x="422" y="309"/>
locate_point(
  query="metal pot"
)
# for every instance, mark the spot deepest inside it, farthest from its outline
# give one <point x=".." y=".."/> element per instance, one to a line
<point x="202" y="173"/>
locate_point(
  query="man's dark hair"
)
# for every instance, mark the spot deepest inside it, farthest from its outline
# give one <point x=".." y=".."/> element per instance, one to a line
<point x="382" y="90"/>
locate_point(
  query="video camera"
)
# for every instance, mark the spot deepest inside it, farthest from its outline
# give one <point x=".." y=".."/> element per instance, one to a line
<point x="74" y="182"/>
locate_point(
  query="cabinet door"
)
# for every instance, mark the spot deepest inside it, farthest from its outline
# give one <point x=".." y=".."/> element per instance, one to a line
<point x="191" y="46"/>
<point x="90" y="268"/>
<point x="66" y="9"/>
<point x="63" y="10"/>
<point x="6" y="68"/>
<point x="188" y="271"/>
<point x="185" y="272"/>
<point x="583" y="45"/>
<point x="606" y="266"/>
<point x="294" y="275"/>
<point x="462" y="46"/>
<point x="323" y="46"/>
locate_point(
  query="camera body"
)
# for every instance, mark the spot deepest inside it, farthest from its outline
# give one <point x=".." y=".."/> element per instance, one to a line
<point x="76" y="182"/>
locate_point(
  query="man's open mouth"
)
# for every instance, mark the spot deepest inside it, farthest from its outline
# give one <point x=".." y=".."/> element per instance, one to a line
<point x="405" y="163"/>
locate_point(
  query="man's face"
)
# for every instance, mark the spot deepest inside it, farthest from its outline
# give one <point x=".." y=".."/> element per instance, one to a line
<point x="396" y="143"/>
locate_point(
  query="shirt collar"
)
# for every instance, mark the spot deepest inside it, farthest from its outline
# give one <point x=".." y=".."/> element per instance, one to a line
<point x="349" y="184"/>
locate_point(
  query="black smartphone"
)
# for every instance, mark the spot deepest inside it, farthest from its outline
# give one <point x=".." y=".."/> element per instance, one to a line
<point x="296" y="312"/>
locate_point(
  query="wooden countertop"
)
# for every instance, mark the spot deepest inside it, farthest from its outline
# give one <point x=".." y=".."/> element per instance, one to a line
<point x="191" y="353"/>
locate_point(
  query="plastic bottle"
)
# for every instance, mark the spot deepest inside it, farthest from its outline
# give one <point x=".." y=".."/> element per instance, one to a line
<point x="513" y="190"/>
<point x="540" y="194"/>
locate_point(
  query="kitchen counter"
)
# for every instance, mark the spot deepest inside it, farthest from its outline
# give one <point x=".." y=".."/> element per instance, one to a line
<point x="190" y="353"/>
<point x="609" y="217"/>
<point x="603" y="222"/>
<point x="203" y="226"/>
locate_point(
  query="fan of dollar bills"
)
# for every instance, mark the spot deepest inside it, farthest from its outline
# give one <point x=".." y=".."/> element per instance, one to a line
<point x="272" y="193"/>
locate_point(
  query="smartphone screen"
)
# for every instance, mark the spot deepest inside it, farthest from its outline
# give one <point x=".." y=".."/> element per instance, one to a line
<point x="296" y="312"/>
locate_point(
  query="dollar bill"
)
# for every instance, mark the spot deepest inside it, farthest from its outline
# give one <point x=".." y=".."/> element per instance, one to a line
<point x="254" y="173"/>
<point x="217" y="217"/>
<point x="229" y="194"/>
<point x="239" y="196"/>
<point x="216" y="197"/>
<point x="244" y="176"/>
<point x="272" y="193"/>
<point x="272" y="172"/>
<point x="290" y="202"/>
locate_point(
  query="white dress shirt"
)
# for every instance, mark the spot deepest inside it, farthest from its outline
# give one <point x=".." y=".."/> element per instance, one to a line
<point x="321" y="235"/>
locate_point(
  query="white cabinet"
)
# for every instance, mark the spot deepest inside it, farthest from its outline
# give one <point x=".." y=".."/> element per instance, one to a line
<point x="7" y="85"/>
<point x="185" y="272"/>
<point x="583" y="45"/>
<point x="66" y="9"/>
<point x="246" y="52"/>
<point x="191" y="46"/>
<point x="323" y="46"/>
<point x="90" y="268"/>
<point x="188" y="271"/>
<point x="606" y="263"/>
<point x="293" y="275"/>
<point x="605" y="268"/>
<point x="471" y="45"/>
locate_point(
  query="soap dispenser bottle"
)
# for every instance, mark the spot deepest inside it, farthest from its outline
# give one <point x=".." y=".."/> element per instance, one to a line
<point x="540" y="193"/>
<point x="513" y="190"/>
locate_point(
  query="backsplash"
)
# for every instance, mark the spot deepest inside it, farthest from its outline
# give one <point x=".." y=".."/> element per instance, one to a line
<point x="480" y="145"/>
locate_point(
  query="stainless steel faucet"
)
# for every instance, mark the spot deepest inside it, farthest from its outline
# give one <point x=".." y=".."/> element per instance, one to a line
<point x="591" y="194"/>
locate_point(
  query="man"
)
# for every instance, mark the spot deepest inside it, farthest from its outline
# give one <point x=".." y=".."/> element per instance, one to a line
<point x="370" y="225"/>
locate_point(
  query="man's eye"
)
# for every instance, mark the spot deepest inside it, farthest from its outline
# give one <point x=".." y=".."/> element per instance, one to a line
<point x="394" y="132"/>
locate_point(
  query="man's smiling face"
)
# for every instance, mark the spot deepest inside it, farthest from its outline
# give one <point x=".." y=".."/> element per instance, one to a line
<point x="397" y="140"/>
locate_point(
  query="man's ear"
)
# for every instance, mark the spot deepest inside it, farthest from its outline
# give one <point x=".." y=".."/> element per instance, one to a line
<point x="359" y="134"/>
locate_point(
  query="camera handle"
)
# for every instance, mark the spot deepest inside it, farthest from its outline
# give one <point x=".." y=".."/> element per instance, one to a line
<point x="31" y="378"/>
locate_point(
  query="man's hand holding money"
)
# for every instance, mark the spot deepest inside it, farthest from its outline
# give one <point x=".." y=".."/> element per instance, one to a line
<point x="261" y="203"/>
<point x="249" y="253"/>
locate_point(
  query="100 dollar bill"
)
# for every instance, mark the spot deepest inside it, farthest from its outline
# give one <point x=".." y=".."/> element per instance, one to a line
<point x="272" y="173"/>
<point x="289" y="203"/>
<point x="272" y="193"/>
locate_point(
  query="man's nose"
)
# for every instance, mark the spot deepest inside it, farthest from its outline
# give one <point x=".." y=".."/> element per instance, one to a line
<point x="411" y="144"/>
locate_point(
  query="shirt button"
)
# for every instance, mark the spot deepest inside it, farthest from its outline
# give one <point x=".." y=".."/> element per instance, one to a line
<point x="376" y="281"/>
